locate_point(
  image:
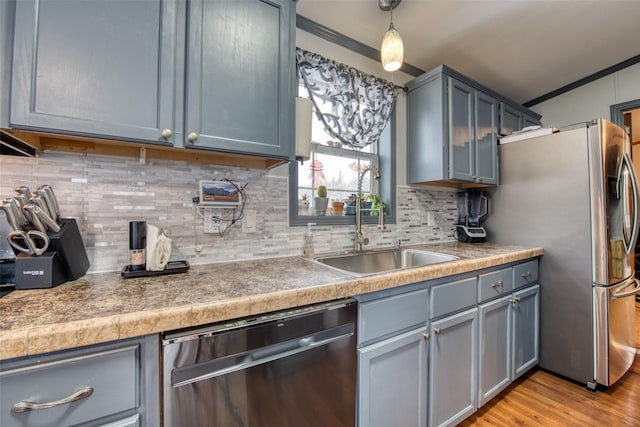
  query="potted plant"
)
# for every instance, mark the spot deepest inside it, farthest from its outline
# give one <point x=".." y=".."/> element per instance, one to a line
<point x="303" y="205"/>
<point x="376" y="203"/>
<point x="320" y="202"/>
<point x="337" y="206"/>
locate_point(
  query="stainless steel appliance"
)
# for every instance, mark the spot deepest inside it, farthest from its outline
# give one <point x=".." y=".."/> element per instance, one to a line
<point x="473" y="209"/>
<point x="294" y="368"/>
<point x="575" y="194"/>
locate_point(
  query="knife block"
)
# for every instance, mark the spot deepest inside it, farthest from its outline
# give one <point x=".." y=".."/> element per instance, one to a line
<point x="36" y="272"/>
<point x="68" y="244"/>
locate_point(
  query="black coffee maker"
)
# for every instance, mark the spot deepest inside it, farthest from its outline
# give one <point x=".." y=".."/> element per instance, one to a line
<point x="473" y="209"/>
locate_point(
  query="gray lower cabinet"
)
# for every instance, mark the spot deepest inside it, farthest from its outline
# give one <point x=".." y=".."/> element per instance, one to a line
<point x="113" y="384"/>
<point x="508" y="338"/>
<point x="495" y="351"/>
<point x="392" y="358"/>
<point x="452" y="129"/>
<point x="453" y="355"/>
<point x="393" y="381"/>
<point x="207" y="74"/>
<point x="525" y="320"/>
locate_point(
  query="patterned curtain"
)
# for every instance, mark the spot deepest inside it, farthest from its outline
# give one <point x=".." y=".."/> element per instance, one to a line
<point x="353" y="106"/>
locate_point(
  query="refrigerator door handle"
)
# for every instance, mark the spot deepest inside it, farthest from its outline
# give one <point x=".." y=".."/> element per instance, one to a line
<point x="625" y="162"/>
<point x="634" y="291"/>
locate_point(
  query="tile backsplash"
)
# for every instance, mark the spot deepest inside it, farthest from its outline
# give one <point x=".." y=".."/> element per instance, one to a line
<point x="104" y="193"/>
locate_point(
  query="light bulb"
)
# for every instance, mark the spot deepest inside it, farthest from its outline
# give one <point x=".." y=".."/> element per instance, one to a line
<point x="392" y="50"/>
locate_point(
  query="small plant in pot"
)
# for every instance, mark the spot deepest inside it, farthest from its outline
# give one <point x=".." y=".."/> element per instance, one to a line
<point x="337" y="207"/>
<point x="320" y="202"/>
<point x="303" y="205"/>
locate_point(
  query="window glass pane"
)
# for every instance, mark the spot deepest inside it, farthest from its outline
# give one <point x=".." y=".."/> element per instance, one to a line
<point x="338" y="174"/>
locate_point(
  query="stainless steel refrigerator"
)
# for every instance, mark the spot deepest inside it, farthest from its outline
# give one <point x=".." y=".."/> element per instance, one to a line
<point x="574" y="193"/>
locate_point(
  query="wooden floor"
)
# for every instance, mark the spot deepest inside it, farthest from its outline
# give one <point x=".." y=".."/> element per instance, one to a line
<point x="542" y="399"/>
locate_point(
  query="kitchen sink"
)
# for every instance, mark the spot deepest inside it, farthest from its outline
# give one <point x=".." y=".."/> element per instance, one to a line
<point x="383" y="260"/>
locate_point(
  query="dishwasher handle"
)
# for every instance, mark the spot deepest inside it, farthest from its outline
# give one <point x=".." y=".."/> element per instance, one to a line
<point x="247" y="359"/>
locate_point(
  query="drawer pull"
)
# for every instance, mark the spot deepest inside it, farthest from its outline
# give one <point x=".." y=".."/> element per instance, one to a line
<point x="427" y="336"/>
<point x="515" y="300"/>
<point x="437" y="331"/>
<point x="24" y="406"/>
<point x="526" y="275"/>
<point x="500" y="283"/>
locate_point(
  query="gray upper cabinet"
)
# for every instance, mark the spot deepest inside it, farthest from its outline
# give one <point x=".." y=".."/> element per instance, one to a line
<point x="513" y="119"/>
<point x="214" y="75"/>
<point x="94" y="68"/>
<point x="452" y="129"/>
<point x="472" y="134"/>
<point x="240" y="75"/>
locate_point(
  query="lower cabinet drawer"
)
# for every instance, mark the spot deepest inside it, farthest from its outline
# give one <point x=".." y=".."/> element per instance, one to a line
<point x="109" y="378"/>
<point x="525" y="273"/>
<point x="452" y="297"/>
<point x="495" y="284"/>
<point x="388" y="315"/>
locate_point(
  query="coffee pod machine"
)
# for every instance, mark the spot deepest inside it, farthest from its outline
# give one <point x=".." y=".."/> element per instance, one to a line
<point x="473" y="209"/>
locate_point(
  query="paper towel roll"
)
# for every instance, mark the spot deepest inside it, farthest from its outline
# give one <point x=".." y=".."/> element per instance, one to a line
<point x="304" y="110"/>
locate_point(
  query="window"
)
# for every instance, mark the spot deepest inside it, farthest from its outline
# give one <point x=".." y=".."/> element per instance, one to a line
<point x="336" y="167"/>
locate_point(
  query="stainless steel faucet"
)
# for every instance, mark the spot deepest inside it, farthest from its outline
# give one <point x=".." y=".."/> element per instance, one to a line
<point x="359" y="239"/>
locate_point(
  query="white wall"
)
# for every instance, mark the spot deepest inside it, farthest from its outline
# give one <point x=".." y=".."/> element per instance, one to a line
<point x="338" y="53"/>
<point x="592" y="100"/>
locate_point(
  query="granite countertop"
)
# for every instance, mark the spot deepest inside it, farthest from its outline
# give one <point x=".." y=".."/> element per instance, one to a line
<point x="105" y="307"/>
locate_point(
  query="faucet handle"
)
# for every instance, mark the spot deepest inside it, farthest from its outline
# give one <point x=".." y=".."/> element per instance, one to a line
<point x="381" y="224"/>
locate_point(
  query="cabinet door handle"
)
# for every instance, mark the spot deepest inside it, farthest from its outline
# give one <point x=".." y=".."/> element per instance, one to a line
<point x="479" y="178"/>
<point x="427" y="336"/>
<point x="192" y="136"/>
<point x="515" y="300"/>
<point x="25" y="406"/>
<point x="499" y="283"/>
<point x="166" y="133"/>
<point x="437" y="331"/>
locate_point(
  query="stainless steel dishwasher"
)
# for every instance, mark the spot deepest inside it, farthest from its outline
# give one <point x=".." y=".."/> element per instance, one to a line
<point x="291" y="368"/>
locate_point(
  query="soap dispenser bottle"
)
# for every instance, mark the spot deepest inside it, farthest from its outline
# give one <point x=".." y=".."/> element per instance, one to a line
<point x="307" y="250"/>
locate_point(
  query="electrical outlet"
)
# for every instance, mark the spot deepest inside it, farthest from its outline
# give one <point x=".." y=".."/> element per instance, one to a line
<point x="249" y="223"/>
<point x="431" y="219"/>
<point x="211" y="225"/>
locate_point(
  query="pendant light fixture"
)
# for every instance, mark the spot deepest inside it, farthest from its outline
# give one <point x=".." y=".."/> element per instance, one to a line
<point x="392" y="50"/>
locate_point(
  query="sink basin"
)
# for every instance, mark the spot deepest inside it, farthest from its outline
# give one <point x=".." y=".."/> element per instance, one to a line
<point x="385" y="260"/>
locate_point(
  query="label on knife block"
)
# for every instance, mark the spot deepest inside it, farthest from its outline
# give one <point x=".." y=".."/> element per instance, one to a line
<point x="36" y="272"/>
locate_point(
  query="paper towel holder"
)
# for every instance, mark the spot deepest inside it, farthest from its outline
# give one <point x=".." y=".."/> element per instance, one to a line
<point x="304" y="112"/>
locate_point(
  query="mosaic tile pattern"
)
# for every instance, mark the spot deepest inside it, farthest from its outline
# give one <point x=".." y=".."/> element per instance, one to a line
<point x="104" y="193"/>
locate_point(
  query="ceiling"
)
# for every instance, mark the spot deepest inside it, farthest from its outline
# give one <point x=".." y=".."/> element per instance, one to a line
<point x="522" y="49"/>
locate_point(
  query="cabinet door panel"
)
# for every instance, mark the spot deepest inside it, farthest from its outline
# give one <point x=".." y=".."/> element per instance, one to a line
<point x="393" y="382"/>
<point x="453" y="352"/>
<point x="526" y="309"/>
<point x="461" y="131"/>
<point x="494" y="353"/>
<point x="486" y="130"/>
<point x="238" y="84"/>
<point x="530" y="121"/>
<point x="510" y="119"/>
<point x="92" y="68"/>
